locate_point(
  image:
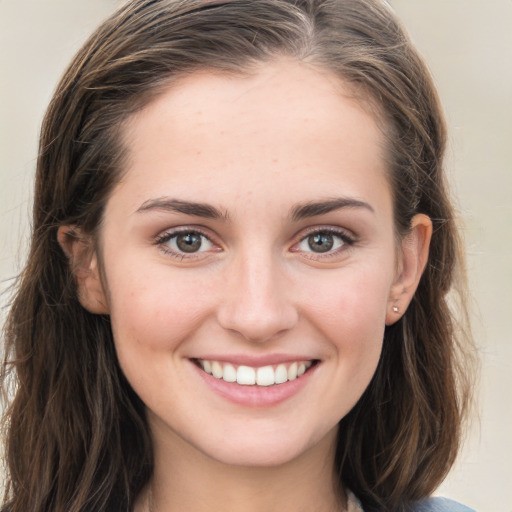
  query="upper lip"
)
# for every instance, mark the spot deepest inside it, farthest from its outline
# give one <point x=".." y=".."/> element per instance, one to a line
<point x="255" y="361"/>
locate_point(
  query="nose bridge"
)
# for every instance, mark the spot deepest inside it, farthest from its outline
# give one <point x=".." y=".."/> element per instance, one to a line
<point x="257" y="304"/>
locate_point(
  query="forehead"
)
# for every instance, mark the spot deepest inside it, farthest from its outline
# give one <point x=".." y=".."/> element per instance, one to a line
<point x="283" y="124"/>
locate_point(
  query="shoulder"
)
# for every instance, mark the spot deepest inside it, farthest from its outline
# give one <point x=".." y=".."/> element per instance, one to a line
<point x="426" y="505"/>
<point x="439" y="505"/>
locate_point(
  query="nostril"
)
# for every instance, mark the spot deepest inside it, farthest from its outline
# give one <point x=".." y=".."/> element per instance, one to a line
<point x="255" y="325"/>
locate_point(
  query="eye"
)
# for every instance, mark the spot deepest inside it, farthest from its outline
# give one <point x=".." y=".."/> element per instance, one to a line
<point x="183" y="243"/>
<point x="323" y="242"/>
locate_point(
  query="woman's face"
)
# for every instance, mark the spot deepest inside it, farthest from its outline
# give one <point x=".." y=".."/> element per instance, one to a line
<point x="251" y="236"/>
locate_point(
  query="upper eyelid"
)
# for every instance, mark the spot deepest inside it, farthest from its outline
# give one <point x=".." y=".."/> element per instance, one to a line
<point x="347" y="236"/>
<point x="298" y="237"/>
<point x="163" y="237"/>
<point x="161" y="240"/>
<point x="343" y="232"/>
<point x="170" y="232"/>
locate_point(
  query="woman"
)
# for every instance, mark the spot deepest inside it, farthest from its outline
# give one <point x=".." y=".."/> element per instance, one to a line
<point x="236" y="291"/>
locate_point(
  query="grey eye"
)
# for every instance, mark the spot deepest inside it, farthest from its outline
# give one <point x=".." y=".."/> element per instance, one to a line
<point x="321" y="242"/>
<point x="189" y="242"/>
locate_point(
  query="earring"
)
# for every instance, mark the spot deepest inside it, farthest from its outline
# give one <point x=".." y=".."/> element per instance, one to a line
<point x="395" y="309"/>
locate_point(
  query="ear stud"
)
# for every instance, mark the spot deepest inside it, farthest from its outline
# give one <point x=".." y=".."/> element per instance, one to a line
<point x="395" y="309"/>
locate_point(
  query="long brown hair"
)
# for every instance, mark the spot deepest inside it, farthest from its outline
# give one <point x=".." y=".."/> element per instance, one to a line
<point x="76" y="434"/>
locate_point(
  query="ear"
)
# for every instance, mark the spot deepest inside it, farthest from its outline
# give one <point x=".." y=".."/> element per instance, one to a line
<point x="413" y="257"/>
<point x="83" y="262"/>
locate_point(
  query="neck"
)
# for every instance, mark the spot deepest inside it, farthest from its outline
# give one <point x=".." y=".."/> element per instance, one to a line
<point x="185" y="479"/>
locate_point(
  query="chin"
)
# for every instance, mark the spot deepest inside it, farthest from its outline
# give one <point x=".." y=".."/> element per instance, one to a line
<point x="254" y="456"/>
<point x="268" y="449"/>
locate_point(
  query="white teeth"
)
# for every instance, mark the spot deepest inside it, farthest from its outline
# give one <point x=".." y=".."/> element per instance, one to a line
<point x="207" y="366"/>
<point x="217" y="370"/>
<point x="265" y="376"/>
<point x="229" y="373"/>
<point x="292" y="371"/>
<point x="248" y="376"/>
<point x="281" y="374"/>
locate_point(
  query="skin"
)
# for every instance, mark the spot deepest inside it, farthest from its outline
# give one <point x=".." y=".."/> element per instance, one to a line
<point x="256" y="148"/>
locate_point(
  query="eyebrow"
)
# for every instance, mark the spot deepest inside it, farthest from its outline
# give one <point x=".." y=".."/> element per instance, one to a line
<point x="312" y="209"/>
<point x="167" y="204"/>
<point x="207" y="211"/>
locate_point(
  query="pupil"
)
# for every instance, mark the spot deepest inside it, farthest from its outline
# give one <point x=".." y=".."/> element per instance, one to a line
<point x="189" y="242"/>
<point x="320" y="242"/>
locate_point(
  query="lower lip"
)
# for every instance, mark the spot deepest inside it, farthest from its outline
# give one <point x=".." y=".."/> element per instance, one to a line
<point x="255" y="396"/>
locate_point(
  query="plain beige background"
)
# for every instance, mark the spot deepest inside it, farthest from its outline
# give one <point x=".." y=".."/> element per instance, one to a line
<point x="468" y="46"/>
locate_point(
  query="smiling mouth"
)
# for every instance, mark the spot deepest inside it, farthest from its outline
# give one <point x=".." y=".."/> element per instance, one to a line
<point x="249" y="376"/>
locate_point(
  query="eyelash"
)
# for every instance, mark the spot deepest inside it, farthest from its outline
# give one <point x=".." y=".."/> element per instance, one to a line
<point x="347" y="241"/>
<point x="164" y="238"/>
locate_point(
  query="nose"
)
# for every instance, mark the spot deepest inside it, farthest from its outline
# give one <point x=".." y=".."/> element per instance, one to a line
<point x="256" y="302"/>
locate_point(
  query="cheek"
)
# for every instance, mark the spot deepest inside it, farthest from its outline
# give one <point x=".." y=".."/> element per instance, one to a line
<point x="351" y="304"/>
<point x="350" y="311"/>
<point x="155" y="311"/>
<point x="152" y="316"/>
